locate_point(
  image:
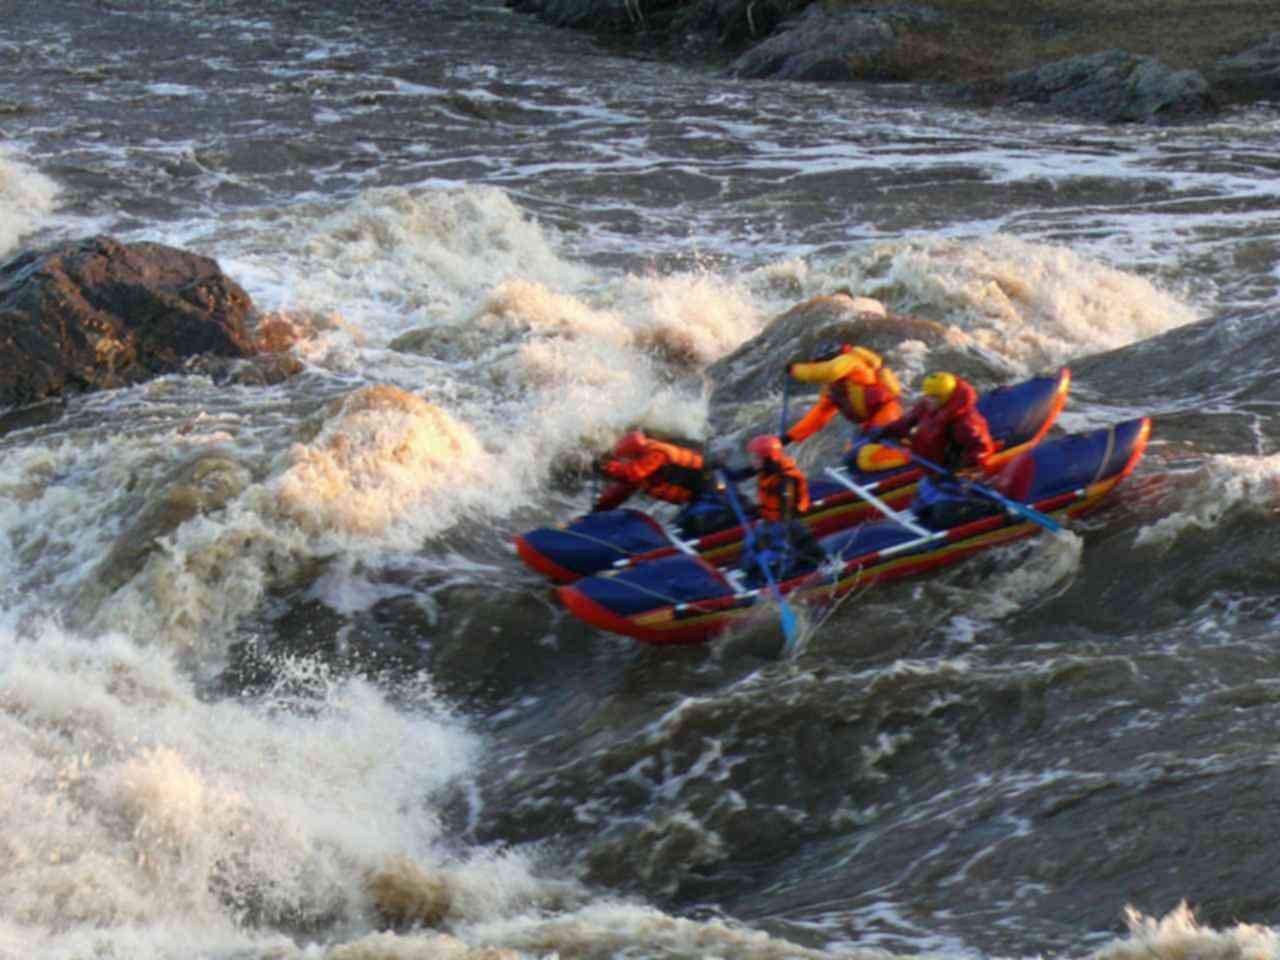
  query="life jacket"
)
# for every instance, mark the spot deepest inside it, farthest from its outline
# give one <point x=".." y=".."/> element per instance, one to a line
<point x="862" y="402"/>
<point x="777" y="479"/>
<point x="667" y="471"/>
<point x="858" y="385"/>
<point x="955" y="434"/>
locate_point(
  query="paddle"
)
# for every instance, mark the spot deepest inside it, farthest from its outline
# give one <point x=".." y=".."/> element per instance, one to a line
<point x="786" y="391"/>
<point x="1027" y="513"/>
<point x="790" y="628"/>
<point x="594" y="489"/>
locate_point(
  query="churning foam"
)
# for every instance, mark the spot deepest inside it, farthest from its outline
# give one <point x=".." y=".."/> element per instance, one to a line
<point x="1178" y="936"/>
<point x="510" y="329"/>
<point x="1224" y="483"/>
<point x="525" y="364"/>
<point x="1036" y="304"/>
<point x="26" y="199"/>
<point x="137" y="820"/>
<point x="389" y="259"/>
<point x="1052" y="560"/>
<point x="378" y="470"/>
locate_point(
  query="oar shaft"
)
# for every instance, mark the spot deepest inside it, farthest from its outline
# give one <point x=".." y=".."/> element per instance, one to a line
<point x="1030" y="513"/>
<point x="789" y="628"/>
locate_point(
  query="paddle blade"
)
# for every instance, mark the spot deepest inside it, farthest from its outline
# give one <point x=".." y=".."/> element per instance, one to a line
<point x="790" y="628"/>
<point x="1027" y="513"/>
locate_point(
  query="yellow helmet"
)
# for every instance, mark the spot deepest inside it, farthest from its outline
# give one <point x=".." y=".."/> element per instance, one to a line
<point x="939" y="385"/>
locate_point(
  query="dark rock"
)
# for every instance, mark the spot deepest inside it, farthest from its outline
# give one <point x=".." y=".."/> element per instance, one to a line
<point x="736" y="24"/>
<point x="600" y="15"/>
<point x="1251" y="75"/>
<point x="36" y="415"/>
<point x="712" y="27"/>
<point x="841" y="47"/>
<point x="949" y="57"/>
<point x="1114" y="87"/>
<point x="99" y="314"/>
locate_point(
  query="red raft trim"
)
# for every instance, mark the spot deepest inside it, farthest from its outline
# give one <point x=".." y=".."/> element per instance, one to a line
<point x="542" y="563"/>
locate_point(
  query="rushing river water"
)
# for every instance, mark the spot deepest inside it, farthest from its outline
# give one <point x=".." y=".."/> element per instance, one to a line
<point x="272" y="683"/>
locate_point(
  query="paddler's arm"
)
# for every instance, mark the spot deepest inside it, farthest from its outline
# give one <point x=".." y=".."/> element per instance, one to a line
<point x="819" y="416"/>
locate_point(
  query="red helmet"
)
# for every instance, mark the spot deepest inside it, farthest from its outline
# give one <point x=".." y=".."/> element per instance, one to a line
<point x="631" y="444"/>
<point x="765" y="447"/>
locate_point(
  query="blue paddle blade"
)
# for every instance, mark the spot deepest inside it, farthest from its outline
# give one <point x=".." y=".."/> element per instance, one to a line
<point x="1027" y="513"/>
<point x="790" y="626"/>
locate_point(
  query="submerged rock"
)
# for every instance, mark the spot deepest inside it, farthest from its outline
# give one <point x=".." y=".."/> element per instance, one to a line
<point x="98" y="314"/>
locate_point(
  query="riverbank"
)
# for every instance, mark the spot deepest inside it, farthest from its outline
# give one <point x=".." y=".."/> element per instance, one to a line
<point x="986" y="39"/>
<point x="1181" y="58"/>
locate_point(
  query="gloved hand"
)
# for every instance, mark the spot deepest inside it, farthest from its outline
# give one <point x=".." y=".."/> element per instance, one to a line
<point x="785" y="439"/>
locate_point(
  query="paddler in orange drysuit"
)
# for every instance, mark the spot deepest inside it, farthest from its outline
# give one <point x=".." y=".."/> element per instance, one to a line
<point x="664" y="471"/>
<point x="782" y="492"/>
<point x="857" y="384"/>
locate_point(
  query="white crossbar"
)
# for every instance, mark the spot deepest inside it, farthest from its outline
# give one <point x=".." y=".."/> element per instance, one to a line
<point x="902" y="519"/>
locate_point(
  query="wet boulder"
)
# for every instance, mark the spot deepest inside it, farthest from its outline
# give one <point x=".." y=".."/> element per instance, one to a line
<point x="605" y="16"/>
<point x="98" y="314"/>
<point x="845" y="45"/>
<point x="1113" y="87"/>
<point x="1253" y="74"/>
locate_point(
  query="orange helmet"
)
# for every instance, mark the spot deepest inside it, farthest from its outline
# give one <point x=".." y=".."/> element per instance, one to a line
<point x="631" y="444"/>
<point x="765" y="447"/>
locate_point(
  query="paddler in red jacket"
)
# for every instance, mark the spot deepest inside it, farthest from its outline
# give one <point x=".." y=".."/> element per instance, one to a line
<point x="857" y="385"/>
<point x="945" y="426"/>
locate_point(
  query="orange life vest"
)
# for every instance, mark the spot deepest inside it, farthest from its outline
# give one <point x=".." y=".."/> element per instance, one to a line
<point x="664" y="471"/>
<point x="782" y="490"/>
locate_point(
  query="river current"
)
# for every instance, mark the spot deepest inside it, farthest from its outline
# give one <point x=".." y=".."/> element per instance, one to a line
<point x="274" y="685"/>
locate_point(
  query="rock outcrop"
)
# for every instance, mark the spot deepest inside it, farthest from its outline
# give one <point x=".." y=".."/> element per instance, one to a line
<point x="97" y="314"/>
<point x="1251" y="75"/>
<point x="945" y="52"/>
<point x="848" y="46"/>
<point x="1113" y="87"/>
